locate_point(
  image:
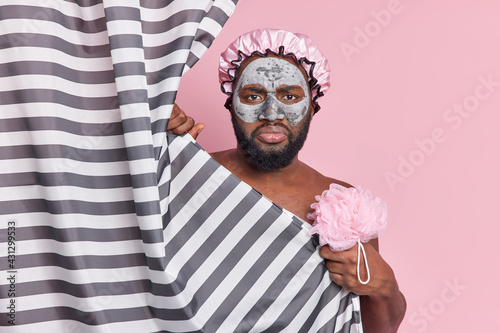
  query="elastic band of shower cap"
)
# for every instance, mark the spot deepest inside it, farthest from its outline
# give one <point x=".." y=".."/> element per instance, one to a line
<point x="281" y="43"/>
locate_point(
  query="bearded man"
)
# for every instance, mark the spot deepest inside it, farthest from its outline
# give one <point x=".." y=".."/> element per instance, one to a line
<point x="273" y="79"/>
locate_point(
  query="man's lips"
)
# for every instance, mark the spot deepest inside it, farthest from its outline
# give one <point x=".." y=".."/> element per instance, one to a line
<point x="271" y="134"/>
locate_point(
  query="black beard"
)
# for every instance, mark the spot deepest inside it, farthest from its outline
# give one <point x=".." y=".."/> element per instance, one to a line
<point x="271" y="160"/>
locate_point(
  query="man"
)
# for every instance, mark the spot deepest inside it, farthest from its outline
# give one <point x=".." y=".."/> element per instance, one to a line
<point x="273" y="79"/>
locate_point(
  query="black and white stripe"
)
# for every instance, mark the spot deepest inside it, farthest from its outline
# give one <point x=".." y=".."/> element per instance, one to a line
<point x="120" y="228"/>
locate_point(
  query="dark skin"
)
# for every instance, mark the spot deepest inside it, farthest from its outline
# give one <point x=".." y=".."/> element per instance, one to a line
<point x="285" y="186"/>
<point x="180" y="123"/>
<point x="382" y="304"/>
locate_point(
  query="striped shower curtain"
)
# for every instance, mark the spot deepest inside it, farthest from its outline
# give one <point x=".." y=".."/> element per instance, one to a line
<point x="108" y="224"/>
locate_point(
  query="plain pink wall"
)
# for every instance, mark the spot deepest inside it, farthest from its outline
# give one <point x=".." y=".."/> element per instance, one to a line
<point x="402" y="70"/>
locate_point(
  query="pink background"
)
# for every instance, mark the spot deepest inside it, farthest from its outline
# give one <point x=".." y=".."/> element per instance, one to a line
<point x="407" y="66"/>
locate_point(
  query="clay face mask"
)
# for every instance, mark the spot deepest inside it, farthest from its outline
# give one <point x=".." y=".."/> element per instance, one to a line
<point x="271" y="88"/>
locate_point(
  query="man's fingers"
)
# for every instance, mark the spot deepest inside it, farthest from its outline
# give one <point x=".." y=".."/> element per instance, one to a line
<point x="180" y="123"/>
<point x="195" y="131"/>
<point x="183" y="127"/>
<point x="178" y="120"/>
<point x="337" y="278"/>
<point x="335" y="267"/>
<point x="173" y="123"/>
<point x="175" y="110"/>
<point x="341" y="256"/>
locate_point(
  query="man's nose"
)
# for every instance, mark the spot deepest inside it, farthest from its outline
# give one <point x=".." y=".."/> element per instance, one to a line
<point x="270" y="110"/>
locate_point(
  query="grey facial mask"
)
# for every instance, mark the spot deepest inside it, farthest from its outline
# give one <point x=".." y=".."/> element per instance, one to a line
<point x="271" y="73"/>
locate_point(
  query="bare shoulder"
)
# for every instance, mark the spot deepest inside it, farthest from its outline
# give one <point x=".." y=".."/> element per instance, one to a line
<point x="302" y="192"/>
<point x="323" y="181"/>
<point x="231" y="161"/>
<point x="221" y="156"/>
<point x="293" y="188"/>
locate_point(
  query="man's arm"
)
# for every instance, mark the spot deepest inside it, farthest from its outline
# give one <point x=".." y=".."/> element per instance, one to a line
<point x="382" y="304"/>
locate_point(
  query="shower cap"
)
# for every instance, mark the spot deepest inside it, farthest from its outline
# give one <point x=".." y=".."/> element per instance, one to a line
<point x="282" y="43"/>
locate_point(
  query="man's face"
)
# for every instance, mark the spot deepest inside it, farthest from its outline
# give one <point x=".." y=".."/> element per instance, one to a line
<point x="271" y="102"/>
<point x="271" y="88"/>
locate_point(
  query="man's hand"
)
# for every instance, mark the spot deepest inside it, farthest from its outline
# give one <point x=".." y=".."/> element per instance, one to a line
<point x="179" y="123"/>
<point x="382" y="304"/>
<point x="342" y="267"/>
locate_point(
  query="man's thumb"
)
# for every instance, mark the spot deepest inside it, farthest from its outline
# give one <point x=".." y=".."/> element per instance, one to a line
<point x="196" y="130"/>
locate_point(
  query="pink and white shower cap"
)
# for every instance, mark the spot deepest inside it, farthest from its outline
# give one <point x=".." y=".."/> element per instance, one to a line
<point x="262" y="42"/>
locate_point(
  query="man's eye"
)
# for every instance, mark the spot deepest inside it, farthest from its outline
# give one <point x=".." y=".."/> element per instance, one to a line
<point x="253" y="97"/>
<point x="290" y="98"/>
